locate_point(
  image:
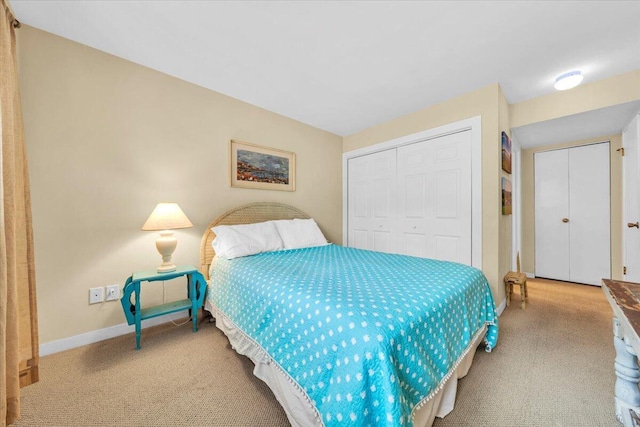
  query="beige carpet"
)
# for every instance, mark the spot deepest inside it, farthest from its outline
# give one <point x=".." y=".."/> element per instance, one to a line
<point x="553" y="366"/>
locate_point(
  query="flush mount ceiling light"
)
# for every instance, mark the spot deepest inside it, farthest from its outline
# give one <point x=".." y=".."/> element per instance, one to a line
<point x="568" y="80"/>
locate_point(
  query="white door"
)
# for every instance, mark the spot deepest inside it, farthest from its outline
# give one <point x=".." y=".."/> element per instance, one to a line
<point x="631" y="201"/>
<point x="434" y="198"/>
<point x="372" y="212"/>
<point x="551" y="209"/>
<point x="590" y="222"/>
<point x="572" y="208"/>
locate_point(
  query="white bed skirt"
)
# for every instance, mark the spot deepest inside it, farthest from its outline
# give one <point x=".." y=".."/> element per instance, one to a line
<point x="296" y="403"/>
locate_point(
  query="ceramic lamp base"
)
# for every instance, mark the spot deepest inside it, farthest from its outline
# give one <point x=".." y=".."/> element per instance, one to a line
<point x="166" y="244"/>
<point x="166" y="268"/>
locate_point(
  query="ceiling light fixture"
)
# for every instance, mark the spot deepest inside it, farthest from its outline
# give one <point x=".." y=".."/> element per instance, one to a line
<point x="568" y="80"/>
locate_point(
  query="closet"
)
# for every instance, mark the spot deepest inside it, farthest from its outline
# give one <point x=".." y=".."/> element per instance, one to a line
<point x="572" y="214"/>
<point x="414" y="199"/>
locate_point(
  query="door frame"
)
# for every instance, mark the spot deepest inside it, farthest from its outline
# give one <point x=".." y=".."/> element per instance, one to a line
<point x="635" y="121"/>
<point x="516" y="204"/>
<point x="474" y="125"/>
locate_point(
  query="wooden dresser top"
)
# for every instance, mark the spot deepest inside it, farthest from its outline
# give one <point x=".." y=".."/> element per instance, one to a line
<point x="627" y="297"/>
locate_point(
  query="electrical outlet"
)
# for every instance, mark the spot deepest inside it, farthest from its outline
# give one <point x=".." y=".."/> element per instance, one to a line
<point x="96" y="295"/>
<point x="113" y="292"/>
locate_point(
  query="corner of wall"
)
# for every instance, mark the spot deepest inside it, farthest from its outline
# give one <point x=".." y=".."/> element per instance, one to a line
<point x="504" y="221"/>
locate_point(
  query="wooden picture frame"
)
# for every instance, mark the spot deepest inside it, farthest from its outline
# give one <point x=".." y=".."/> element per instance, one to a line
<point x="506" y="152"/>
<point x="506" y="197"/>
<point x="264" y="168"/>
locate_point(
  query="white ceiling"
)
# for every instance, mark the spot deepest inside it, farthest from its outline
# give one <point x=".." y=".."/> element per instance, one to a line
<point x="344" y="66"/>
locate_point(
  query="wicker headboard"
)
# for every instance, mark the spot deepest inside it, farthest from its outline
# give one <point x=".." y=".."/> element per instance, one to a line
<point x="247" y="214"/>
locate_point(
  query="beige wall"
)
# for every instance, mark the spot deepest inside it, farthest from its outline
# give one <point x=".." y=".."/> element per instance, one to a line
<point x="588" y="97"/>
<point x="484" y="102"/>
<point x="108" y="139"/>
<point x="505" y="221"/>
<point x="528" y="205"/>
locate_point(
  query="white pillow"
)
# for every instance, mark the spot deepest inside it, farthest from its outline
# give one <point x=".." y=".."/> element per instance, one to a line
<point x="233" y="241"/>
<point x="300" y="233"/>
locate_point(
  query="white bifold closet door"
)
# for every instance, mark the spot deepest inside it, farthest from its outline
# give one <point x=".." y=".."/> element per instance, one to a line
<point x="414" y="199"/>
<point x="372" y="208"/>
<point x="434" y="198"/>
<point x="572" y="214"/>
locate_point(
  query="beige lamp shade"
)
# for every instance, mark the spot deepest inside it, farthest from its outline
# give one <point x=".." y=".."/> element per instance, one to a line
<point x="165" y="218"/>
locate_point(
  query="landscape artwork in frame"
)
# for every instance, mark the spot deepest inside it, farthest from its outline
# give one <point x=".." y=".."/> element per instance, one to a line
<point x="506" y="153"/>
<point x="254" y="166"/>
<point x="506" y="196"/>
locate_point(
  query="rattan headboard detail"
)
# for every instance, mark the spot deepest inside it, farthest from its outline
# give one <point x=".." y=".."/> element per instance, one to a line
<point x="247" y="214"/>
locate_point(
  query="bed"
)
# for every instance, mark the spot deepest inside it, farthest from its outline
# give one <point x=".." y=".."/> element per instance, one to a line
<point x="344" y="336"/>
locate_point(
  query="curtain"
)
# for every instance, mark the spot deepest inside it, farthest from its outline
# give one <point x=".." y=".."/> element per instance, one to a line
<point x="17" y="277"/>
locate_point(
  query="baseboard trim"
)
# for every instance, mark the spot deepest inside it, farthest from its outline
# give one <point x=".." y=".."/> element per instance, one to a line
<point x="530" y="275"/>
<point x="75" y="341"/>
<point x="57" y="346"/>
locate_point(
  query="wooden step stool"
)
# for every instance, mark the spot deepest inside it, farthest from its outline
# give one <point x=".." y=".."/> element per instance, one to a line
<point x="516" y="278"/>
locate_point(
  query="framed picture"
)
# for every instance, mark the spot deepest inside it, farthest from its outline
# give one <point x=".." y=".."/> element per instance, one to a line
<point x="506" y="196"/>
<point x="253" y="166"/>
<point x="506" y="153"/>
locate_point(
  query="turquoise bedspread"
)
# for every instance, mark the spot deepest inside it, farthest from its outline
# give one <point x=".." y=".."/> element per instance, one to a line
<point x="368" y="336"/>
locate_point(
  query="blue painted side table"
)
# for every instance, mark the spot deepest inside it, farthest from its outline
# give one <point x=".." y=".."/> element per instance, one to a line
<point x="196" y="290"/>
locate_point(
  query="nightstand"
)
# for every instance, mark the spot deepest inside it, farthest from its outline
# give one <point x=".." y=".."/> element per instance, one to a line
<point x="135" y="314"/>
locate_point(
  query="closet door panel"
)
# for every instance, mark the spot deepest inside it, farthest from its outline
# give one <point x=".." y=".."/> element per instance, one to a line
<point x="382" y="194"/>
<point x="434" y="206"/>
<point x="414" y="177"/>
<point x="360" y="200"/>
<point x="382" y="241"/>
<point x="589" y="226"/>
<point x="551" y="207"/>
<point x="412" y="236"/>
<point x="447" y="194"/>
<point x="359" y="239"/>
<point x="358" y="203"/>
<point x="371" y="211"/>
<point x="447" y="198"/>
<point x="451" y="223"/>
<point x="414" y="197"/>
<point x="414" y="244"/>
<point x="447" y="247"/>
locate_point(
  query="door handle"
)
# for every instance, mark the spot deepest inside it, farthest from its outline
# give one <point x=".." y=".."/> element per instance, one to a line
<point x="565" y="220"/>
<point x="633" y="224"/>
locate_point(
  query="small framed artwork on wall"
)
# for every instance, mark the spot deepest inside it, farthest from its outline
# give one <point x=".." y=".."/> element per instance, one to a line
<point x="254" y="166"/>
<point x="506" y="196"/>
<point x="506" y="153"/>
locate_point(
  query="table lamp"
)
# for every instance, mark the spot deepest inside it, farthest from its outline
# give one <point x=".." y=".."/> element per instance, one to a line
<point x="165" y="218"/>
